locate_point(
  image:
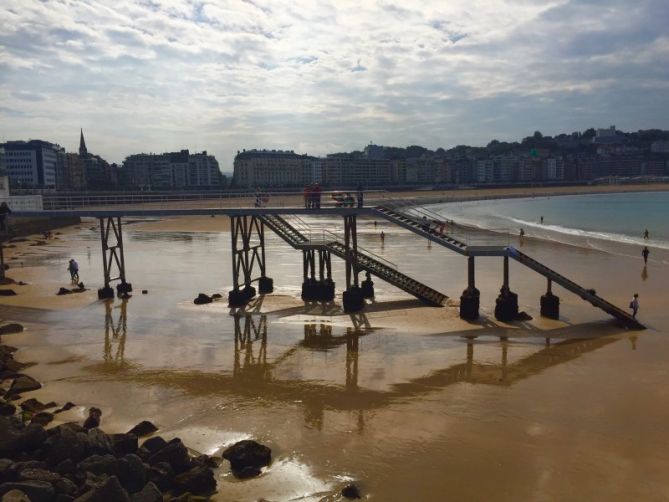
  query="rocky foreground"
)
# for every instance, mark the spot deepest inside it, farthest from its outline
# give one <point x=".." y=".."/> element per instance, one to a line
<point x="80" y="462"/>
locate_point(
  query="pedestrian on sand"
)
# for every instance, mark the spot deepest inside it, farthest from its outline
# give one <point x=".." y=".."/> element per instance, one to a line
<point x="634" y="305"/>
<point x="383" y="236"/>
<point x="522" y="234"/>
<point x="645" y="254"/>
<point x="4" y="212"/>
<point x="73" y="268"/>
<point x="646" y="235"/>
<point x="542" y="220"/>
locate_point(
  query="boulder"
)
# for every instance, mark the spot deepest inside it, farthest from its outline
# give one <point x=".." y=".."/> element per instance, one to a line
<point x="198" y="480"/>
<point x="7" y="292"/>
<point x="100" y="464"/>
<point x="124" y="443"/>
<point x="144" y="428"/>
<point x="132" y="473"/>
<point x="145" y="291"/>
<point x="108" y="491"/>
<point x="42" y="418"/>
<point x="247" y="457"/>
<point x="216" y="296"/>
<point x="16" y="438"/>
<point x="351" y="491"/>
<point x="63" y="291"/>
<point x="174" y="453"/>
<point x="7" y="409"/>
<point x="23" y="383"/>
<point x="10" y="328"/>
<point x="161" y="475"/>
<point x="99" y="442"/>
<point x="65" y="486"/>
<point x="39" y="475"/>
<point x="202" y="299"/>
<point x="150" y="493"/>
<point x="37" y="491"/>
<point x="32" y="405"/>
<point x="15" y="496"/>
<point x="67" y="441"/>
<point x="65" y="407"/>
<point x="154" y="444"/>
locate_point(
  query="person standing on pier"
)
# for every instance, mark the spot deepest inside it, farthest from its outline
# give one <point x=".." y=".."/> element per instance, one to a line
<point x="634" y="305"/>
<point x="645" y="254"/>
<point x="360" y="195"/>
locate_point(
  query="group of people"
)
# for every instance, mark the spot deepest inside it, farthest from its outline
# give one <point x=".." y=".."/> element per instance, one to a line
<point x="312" y="196"/>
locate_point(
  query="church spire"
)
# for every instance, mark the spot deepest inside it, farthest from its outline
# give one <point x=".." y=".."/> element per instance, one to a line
<point x="83" y="152"/>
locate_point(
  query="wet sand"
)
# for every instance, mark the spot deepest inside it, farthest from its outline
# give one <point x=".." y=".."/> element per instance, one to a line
<point x="408" y="400"/>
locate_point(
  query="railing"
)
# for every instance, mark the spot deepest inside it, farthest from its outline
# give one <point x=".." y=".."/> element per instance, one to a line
<point x="24" y="202"/>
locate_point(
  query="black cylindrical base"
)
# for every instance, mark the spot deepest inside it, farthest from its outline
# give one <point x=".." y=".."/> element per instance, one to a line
<point x="249" y="292"/>
<point x="367" y="288"/>
<point x="506" y="307"/>
<point x="353" y="300"/>
<point x="469" y="304"/>
<point x="124" y="287"/>
<point x="550" y="306"/>
<point x="237" y="298"/>
<point x="265" y="285"/>
<point x="105" y="293"/>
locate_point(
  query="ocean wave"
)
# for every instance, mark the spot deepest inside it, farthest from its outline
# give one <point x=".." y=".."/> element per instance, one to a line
<point x="545" y="230"/>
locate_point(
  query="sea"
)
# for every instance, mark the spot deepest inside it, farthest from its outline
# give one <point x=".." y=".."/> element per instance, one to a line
<point x="600" y="221"/>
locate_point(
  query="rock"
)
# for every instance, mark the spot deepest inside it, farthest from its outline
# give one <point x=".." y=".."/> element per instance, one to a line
<point x="15" y="496"/>
<point x="161" y="475"/>
<point x="206" y="461"/>
<point x="32" y="405"/>
<point x="63" y="291"/>
<point x="37" y="491"/>
<point x="7" y="409"/>
<point x="100" y="464"/>
<point x="94" y="416"/>
<point x="174" y="453"/>
<point x="7" y="292"/>
<point x="15" y="438"/>
<point x="124" y="443"/>
<point x="109" y="491"/>
<point x="198" y="480"/>
<point x="247" y="457"/>
<point x="10" y="328"/>
<point x="23" y="383"/>
<point x="202" y="299"/>
<point x="65" y="407"/>
<point x="150" y="493"/>
<point x="145" y="292"/>
<point x="64" y="468"/>
<point x="39" y="475"/>
<point x="99" y="443"/>
<point x="216" y="296"/>
<point x="67" y="441"/>
<point x="65" y="486"/>
<point x="154" y="444"/>
<point x="351" y="491"/>
<point x="43" y="418"/>
<point x="132" y="473"/>
<point x="144" y="428"/>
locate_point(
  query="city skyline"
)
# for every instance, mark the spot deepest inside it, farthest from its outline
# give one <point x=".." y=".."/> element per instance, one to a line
<point x="320" y="78"/>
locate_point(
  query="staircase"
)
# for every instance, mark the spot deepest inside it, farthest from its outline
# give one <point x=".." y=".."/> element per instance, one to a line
<point x="421" y="221"/>
<point x="587" y="295"/>
<point x="366" y="261"/>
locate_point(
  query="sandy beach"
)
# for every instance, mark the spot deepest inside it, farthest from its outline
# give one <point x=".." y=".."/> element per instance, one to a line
<point x="408" y="401"/>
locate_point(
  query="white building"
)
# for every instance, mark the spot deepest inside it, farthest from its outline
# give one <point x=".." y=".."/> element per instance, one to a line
<point x="31" y="164"/>
<point x="278" y="168"/>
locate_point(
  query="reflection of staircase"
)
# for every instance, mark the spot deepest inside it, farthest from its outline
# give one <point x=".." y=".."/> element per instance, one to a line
<point x="366" y="261"/>
<point x="587" y="295"/>
<point x="422" y="221"/>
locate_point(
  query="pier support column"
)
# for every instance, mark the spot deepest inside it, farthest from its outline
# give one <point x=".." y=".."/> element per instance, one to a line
<point x="327" y="285"/>
<point x="352" y="298"/>
<point x="506" y="305"/>
<point x="113" y="259"/>
<point x="550" y="304"/>
<point x="317" y="287"/>
<point x="248" y="253"/>
<point x="470" y="299"/>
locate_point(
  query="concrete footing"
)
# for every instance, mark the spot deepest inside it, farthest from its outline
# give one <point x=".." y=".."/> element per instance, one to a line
<point x="124" y="287"/>
<point x="353" y="299"/>
<point x="550" y="306"/>
<point x="318" y="291"/>
<point x="105" y="293"/>
<point x="265" y="285"/>
<point x="240" y="297"/>
<point x="469" y="304"/>
<point x="506" y="306"/>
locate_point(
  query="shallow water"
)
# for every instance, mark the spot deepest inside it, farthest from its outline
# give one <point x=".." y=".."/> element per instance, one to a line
<point x="394" y="398"/>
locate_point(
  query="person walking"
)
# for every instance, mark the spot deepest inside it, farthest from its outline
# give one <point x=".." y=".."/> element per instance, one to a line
<point x="645" y="254"/>
<point x="634" y="305"/>
<point x="4" y="212"/>
<point x="307" y="196"/>
<point x="542" y="220"/>
<point x="383" y="236"/>
<point x="646" y="235"/>
<point x="73" y="268"/>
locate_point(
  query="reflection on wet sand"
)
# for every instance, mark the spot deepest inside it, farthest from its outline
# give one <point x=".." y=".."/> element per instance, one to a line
<point x="255" y="374"/>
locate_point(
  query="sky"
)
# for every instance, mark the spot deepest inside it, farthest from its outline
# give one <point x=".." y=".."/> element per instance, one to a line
<point x="318" y="76"/>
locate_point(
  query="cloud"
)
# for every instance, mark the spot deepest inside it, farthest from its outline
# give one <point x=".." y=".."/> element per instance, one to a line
<point x="154" y="75"/>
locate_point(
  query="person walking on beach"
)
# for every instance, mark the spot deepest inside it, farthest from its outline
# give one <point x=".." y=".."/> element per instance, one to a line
<point x="634" y="305"/>
<point x="521" y="234"/>
<point x="383" y="236"/>
<point x="645" y="254"/>
<point x="4" y="212"/>
<point x="73" y="268"/>
<point x="542" y="220"/>
<point x="646" y="235"/>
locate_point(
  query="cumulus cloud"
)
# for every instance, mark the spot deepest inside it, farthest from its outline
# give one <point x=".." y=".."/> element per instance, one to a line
<point x="324" y="75"/>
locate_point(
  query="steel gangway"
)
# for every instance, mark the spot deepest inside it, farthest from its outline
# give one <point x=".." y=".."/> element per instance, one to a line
<point x="431" y="225"/>
<point x="366" y="260"/>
